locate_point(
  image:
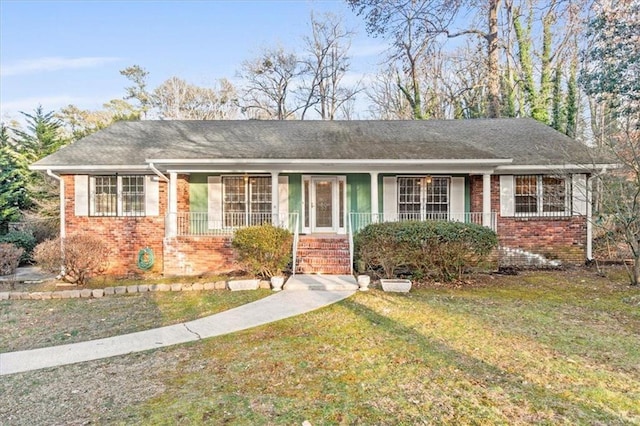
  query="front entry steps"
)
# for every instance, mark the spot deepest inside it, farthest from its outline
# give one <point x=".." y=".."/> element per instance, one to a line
<point x="325" y="254"/>
<point x="321" y="282"/>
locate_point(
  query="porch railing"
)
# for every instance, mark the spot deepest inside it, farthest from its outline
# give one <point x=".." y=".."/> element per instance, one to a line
<point x="360" y="220"/>
<point x="204" y="224"/>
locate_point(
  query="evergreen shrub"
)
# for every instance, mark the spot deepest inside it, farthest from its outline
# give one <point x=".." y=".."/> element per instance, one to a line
<point x="436" y="249"/>
<point x="263" y="250"/>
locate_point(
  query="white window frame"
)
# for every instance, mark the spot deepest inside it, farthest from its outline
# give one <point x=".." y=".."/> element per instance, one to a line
<point x="247" y="216"/>
<point x="423" y="196"/>
<point x="541" y="198"/>
<point x="120" y="210"/>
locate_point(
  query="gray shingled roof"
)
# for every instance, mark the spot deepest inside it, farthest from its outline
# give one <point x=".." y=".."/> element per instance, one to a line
<point x="526" y="141"/>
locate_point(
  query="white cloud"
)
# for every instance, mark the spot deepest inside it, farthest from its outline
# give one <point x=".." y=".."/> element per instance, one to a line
<point x="49" y="64"/>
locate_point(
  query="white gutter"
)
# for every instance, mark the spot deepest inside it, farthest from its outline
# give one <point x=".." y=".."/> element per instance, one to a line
<point x="551" y="167"/>
<point x="192" y="161"/>
<point x="158" y="172"/>
<point x="73" y="169"/>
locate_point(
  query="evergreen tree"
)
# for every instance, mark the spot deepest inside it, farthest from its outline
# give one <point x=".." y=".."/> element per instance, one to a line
<point x="13" y="184"/>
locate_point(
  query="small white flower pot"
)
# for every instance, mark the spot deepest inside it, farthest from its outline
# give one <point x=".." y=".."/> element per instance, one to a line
<point x="396" y="285"/>
<point x="363" y="282"/>
<point x="277" y="283"/>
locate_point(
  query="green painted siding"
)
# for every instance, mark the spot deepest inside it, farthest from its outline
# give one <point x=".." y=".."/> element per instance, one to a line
<point x="359" y="193"/>
<point x="295" y="193"/>
<point x="198" y="192"/>
<point x="467" y="194"/>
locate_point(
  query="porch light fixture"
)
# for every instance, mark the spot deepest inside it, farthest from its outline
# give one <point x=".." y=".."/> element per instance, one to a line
<point x="427" y="179"/>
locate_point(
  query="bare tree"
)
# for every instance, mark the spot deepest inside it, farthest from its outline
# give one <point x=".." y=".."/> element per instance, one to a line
<point x="176" y="99"/>
<point x="269" y="84"/>
<point x="387" y="102"/>
<point x="325" y="66"/>
<point x="412" y="27"/>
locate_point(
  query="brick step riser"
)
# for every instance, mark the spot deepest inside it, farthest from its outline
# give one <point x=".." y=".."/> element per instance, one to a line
<point x="323" y="259"/>
<point x="328" y="271"/>
<point x="323" y="256"/>
<point x="323" y="246"/>
<point x="323" y="253"/>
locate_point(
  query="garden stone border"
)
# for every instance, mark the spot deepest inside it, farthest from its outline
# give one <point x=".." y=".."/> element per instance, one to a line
<point x="88" y="293"/>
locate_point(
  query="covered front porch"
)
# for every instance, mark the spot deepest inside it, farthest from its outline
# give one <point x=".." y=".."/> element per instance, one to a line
<point x="322" y="200"/>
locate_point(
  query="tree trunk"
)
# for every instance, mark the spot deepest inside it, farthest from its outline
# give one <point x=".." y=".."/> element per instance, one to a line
<point x="493" y="60"/>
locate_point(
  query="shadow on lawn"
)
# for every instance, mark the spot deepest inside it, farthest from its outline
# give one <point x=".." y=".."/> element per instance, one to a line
<point x="483" y="376"/>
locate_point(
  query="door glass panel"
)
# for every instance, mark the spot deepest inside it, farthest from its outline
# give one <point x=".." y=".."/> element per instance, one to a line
<point x="341" y="203"/>
<point x="324" y="204"/>
<point x="307" y="202"/>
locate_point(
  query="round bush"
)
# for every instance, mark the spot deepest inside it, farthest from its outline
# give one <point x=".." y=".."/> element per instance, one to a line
<point x="442" y="250"/>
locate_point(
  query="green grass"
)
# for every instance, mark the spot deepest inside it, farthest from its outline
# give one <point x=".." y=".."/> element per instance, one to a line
<point x="538" y="348"/>
<point x="29" y="324"/>
<point x="541" y="348"/>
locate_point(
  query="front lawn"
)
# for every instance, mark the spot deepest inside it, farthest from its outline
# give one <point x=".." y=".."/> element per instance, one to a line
<point x="542" y="347"/>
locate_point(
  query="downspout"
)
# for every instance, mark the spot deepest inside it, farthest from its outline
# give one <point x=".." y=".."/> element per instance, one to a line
<point x="164" y="178"/>
<point x="589" y="220"/>
<point x="590" y="212"/>
<point x="63" y="228"/>
<point x="158" y="172"/>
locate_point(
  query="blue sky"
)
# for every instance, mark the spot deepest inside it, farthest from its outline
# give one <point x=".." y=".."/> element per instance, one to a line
<point x="57" y="53"/>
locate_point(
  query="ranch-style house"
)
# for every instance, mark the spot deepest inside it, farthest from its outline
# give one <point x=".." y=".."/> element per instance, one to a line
<point x="180" y="188"/>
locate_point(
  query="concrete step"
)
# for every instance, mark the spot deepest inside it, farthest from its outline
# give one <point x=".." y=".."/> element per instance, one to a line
<point x="343" y="282"/>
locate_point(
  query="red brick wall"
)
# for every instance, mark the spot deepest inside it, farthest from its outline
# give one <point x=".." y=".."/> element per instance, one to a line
<point x="125" y="236"/>
<point x="562" y="238"/>
<point x="197" y="255"/>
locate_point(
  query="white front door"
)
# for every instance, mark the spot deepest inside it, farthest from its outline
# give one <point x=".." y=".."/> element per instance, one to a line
<point x="324" y="204"/>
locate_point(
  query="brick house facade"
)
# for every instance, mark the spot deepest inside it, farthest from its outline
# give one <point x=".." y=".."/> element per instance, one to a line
<point x="180" y="188"/>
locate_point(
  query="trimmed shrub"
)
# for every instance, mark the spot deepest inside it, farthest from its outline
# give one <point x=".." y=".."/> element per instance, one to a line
<point x="263" y="250"/>
<point x="9" y="258"/>
<point x="22" y="239"/>
<point x="441" y="250"/>
<point x="84" y="256"/>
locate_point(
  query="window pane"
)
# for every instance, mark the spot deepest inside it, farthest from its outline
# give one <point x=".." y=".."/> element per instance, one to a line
<point x="105" y="196"/>
<point x="133" y="195"/>
<point x="554" y="193"/>
<point x="234" y="201"/>
<point x="341" y="203"/>
<point x="409" y="198"/>
<point x="260" y="196"/>
<point x="247" y="200"/>
<point x="526" y="194"/>
<point x="437" y="198"/>
<point x="307" y="203"/>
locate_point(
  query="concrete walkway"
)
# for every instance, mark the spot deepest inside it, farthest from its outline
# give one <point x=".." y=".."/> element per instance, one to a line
<point x="278" y="306"/>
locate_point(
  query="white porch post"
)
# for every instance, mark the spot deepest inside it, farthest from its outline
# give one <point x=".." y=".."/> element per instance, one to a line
<point x="172" y="225"/>
<point x="275" y="199"/>
<point x="486" y="200"/>
<point x="374" y="197"/>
